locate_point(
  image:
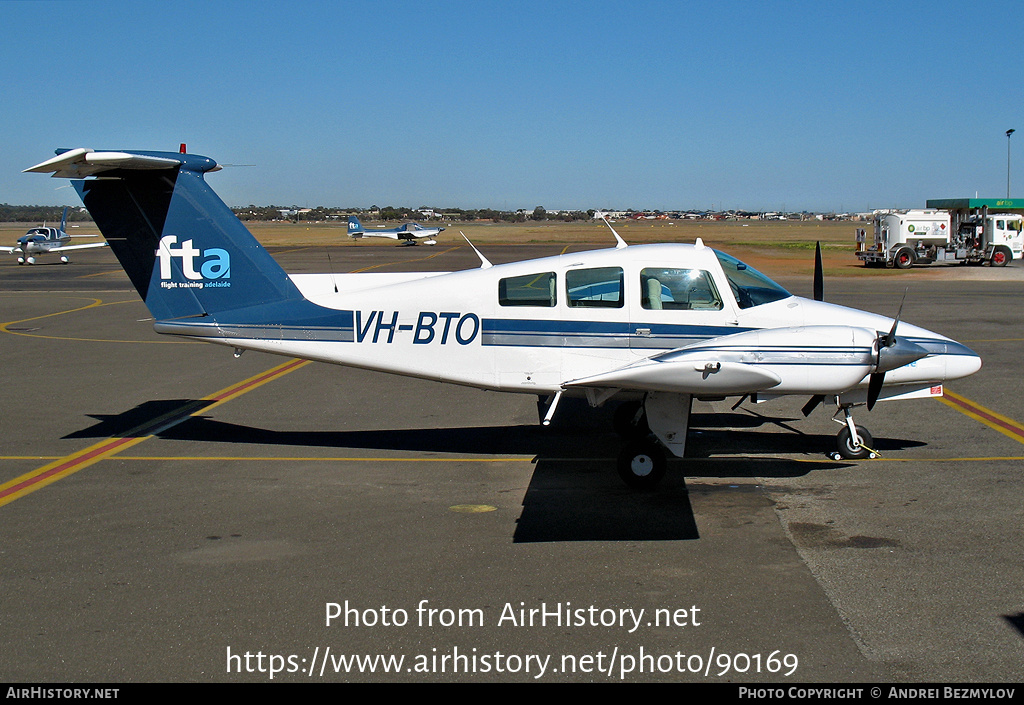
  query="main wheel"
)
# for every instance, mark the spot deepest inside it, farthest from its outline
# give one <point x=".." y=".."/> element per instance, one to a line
<point x="642" y="464"/>
<point x="853" y="451"/>
<point x="1001" y="257"/>
<point x="904" y="258"/>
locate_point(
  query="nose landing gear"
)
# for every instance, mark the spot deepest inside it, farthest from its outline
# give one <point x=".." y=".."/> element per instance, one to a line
<point x="853" y="442"/>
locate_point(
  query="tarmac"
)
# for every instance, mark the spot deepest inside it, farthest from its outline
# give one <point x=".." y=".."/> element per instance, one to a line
<point x="171" y="513"/>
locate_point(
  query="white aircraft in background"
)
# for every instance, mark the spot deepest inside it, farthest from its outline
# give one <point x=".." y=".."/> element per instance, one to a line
<point x="43" y="240"/>
<point x="653" y="325"/>
<point x="410" y="232"/>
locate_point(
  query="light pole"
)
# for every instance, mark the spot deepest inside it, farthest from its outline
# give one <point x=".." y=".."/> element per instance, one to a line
<point x="1008" y="133"/>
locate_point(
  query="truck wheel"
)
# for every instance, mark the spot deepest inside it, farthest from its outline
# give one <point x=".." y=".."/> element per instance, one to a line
<point x="904" y="258"/>
<point x="1001" y="257"/>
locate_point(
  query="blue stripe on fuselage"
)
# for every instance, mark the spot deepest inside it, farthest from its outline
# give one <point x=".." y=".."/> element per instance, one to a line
<point x="596" y="334"/>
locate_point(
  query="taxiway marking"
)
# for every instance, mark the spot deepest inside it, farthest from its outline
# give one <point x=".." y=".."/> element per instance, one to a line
<point x="4" y="327"/>
<point x="58" y="469"/>
<point x="998" y="422"/>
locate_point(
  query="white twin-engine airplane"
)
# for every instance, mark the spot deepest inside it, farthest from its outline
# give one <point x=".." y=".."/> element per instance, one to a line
<point x="410" y="232"/>
<point x="652" y="325"/>
<point x="44" y="240"/>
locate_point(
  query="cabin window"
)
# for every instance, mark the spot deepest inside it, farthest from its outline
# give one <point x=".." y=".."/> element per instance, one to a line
<point x="678" y="289"/>
<point x="528" y="290"/>
<point x="600" y="287"/>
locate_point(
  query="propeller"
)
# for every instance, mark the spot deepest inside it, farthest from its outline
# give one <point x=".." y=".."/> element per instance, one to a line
<point x="819" y="295"/>
<point x="819" y="274"/>
<point x="893" y="352"/>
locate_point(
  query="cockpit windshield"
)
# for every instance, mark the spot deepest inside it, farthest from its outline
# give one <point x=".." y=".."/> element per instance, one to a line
<point x="749" y="286"/>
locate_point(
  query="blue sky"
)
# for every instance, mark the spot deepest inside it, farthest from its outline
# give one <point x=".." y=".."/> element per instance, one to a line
<point x="756" y="105"/>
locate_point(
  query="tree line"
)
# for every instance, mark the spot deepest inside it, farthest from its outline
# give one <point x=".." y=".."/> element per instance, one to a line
<point x="404" y="213"/>
<point x="52" y="214"/>
<point x="41" y="214"/>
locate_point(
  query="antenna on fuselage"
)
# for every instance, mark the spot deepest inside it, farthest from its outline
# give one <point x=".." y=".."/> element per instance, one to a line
<point x="620" y="243"/>
<point x="333" y="280"/>
<point x="484" y="264"/>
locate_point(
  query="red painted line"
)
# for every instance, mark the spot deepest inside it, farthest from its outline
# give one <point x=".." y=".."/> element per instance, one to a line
<point x="995" y="421"/>
<point x="72" y="462"/>
<point x="258" y="380"/>
<point x="111" y="446"/>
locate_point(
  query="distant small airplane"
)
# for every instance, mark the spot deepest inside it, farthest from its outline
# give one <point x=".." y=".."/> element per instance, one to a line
<point x="43" y="240"/>
<point x="410" y="232"/>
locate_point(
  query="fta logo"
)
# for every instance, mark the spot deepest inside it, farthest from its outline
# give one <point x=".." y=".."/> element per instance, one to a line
<point x="196" y="264"/>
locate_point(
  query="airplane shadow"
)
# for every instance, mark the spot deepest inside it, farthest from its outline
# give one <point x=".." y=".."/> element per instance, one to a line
<point x="1016" y="621"/>
<point x="574" y="493"/>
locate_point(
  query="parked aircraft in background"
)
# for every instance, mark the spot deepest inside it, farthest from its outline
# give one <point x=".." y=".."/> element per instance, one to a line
<point x="44" y="240"/>
<point x="410" y="232"/>
<point x="652" y="325"/>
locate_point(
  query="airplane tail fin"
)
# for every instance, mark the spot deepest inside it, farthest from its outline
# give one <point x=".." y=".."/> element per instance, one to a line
<point x="182" y="247"/>
<point x="64" y="220"/>
<point x="355" y="228"/>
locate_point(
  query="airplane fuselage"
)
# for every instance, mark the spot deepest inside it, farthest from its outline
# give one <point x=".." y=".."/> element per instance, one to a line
<point x="549" y="324"/>
<point x="41" y="240"/>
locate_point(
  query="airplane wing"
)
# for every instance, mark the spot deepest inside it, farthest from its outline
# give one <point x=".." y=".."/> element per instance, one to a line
<point x="689" y="376"/>
<point x="77" y="247"/>
<point x="10" y="250"/>
<point x="797" y="360"/>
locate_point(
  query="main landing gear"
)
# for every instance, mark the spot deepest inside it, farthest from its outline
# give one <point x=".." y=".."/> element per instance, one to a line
<point x="652" y="430"/>
<point x="642" y="464"/>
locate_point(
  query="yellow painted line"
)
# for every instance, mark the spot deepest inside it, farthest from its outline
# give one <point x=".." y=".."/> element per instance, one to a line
<point x="96" y="303"/>
<point x="1005" y="425"/>
<point x="100" y="274"/>
<point x="332" y="459"/>
<point x="61" y="468"/>
<point x="51" y="472"/>
<point x="950" y="460"/>
<point x="3" y="326"/>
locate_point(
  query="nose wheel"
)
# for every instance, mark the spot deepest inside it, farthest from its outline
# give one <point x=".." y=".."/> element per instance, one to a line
<point x="853" y="442"/>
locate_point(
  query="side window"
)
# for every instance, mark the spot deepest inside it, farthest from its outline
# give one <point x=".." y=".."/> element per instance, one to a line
<point x="528" y="290"/>
<point x="1000" y="225"/>
<point x="678" y="289"/>
<point x="600" y="287"/>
